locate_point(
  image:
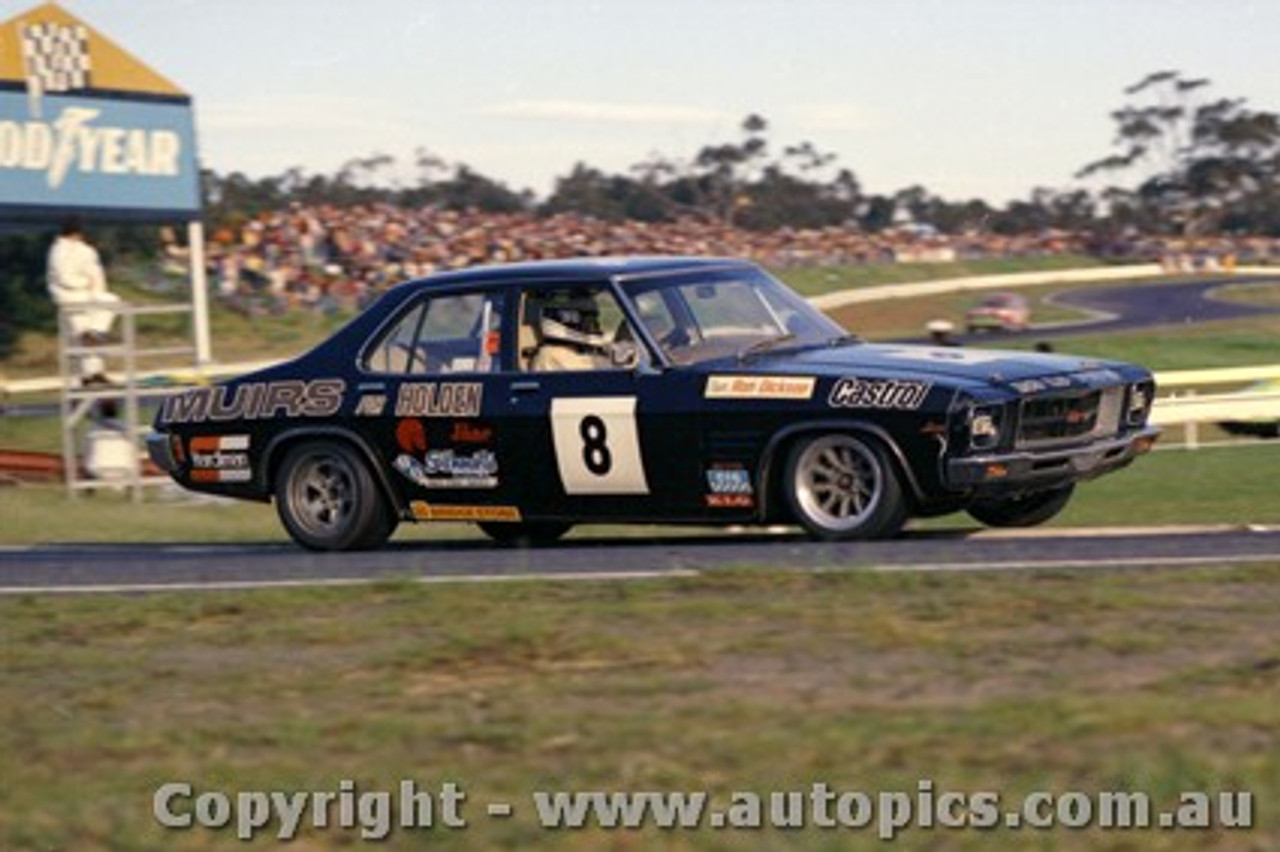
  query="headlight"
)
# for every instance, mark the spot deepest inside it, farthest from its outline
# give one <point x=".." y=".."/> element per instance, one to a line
<point x="984" y="427"/>
<point x="1139" y="403"/>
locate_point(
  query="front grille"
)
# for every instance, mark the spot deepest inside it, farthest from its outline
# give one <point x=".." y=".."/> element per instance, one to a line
<point x="1069" y="417"/>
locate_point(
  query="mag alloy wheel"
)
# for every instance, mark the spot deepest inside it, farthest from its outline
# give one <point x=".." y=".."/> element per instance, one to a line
<point x="840" y="486"/>
<point x="327" y="499"/>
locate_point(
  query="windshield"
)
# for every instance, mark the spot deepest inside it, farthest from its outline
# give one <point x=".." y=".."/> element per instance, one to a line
<point x="728" y="312"/>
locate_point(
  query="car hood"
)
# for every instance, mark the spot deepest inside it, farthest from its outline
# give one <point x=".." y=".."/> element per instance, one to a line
<point x="933" y="363"/>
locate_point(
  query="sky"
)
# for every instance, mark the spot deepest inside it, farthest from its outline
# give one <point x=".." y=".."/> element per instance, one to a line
<point x="969" y="98"/>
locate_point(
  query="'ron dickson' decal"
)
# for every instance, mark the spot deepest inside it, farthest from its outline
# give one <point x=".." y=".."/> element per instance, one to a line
<point x="256" y="401"/>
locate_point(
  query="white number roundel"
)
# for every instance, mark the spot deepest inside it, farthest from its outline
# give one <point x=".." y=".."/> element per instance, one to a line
<point x="597" y="445"/>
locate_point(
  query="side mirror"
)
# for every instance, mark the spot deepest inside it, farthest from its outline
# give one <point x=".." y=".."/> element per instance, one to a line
<point x="624" y="354"/>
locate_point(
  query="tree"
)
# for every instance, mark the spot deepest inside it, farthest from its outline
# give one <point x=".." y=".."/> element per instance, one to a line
<point x="723" y="171"/>
<point x="1197" y="160"/>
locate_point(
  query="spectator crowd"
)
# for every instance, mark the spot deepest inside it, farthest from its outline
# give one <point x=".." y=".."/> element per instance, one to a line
<point x="329" y="258"/>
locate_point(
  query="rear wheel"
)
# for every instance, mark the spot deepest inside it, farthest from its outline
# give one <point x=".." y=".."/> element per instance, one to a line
<point x="327" y="499"/>
<point x="525" y="534"/>
<point x="842" y="487"/>
<point x="1028" y="510"/>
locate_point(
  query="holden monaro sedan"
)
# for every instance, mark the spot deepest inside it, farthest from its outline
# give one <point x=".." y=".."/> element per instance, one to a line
<point x="531" y="397"/>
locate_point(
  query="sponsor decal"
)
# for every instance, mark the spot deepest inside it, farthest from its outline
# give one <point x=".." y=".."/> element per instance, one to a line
<point x="1090" y="377"/>
<point x="424" y="511"/>
<point x="729" y="480"/>
<point x="760" y="387"/>
<point x="439" y="399"/>
<point x="470" y="433"/>
<point x="255" y="401"/>
<point x="443" y="468"/>
<point x="730" y="501"/>
<point x="953" y="355"/>
<point x="72" y="142"/>
<point x="852" y="392"/>
<point x="371" y="405"/>
<point x="1028" y="386"/>
<point x="1098" y="377"/>
<point x="220" y="458"/>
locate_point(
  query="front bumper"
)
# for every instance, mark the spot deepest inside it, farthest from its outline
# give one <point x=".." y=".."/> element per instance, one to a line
<point x="160" y="449"/>
<point x="1030" y="471"/>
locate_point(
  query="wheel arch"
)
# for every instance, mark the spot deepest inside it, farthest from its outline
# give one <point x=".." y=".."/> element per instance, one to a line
<point x="279" y="447"/>
<point x="773" y="459"/>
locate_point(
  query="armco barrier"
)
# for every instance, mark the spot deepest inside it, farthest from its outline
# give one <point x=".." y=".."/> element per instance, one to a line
<point x="1188" y="408"/>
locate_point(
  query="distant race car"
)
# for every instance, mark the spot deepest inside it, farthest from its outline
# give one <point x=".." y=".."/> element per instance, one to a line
<point x="1262" y="427"/>
<point x="532" y="397"/>
<point x="999" y="312"/>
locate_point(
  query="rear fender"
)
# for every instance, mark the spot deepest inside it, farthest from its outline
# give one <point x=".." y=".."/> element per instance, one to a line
<point x="281" y="443"/>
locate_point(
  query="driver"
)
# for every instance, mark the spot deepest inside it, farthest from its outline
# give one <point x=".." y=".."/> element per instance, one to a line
<point x="571" y="337"/>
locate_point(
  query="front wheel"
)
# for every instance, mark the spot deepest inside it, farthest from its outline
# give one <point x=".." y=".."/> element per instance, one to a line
<point x="526" y="533"/>
<point x="844" y="487"/>
<point x="327" y="499"/>
<point x="1029" y="510"/>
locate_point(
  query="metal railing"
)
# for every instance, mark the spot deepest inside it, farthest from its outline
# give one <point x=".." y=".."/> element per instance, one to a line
<point x="1189" y="408"/>
<point x="83" y="406"/>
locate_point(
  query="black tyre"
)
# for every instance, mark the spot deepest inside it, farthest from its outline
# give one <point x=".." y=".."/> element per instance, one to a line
<point x="1028" y="510"/>
<point x="327" y="499"/>
<point x="527" y="534"/>
<point x="842" y="487"/>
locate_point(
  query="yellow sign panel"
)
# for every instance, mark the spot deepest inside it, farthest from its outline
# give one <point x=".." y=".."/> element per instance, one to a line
<point x="50" y="51"/>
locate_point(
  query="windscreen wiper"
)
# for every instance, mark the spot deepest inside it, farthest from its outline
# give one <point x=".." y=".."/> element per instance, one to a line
<point x="761" y="346"/>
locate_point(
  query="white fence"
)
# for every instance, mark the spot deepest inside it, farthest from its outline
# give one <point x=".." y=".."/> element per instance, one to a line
<point x="1189" y="408"/>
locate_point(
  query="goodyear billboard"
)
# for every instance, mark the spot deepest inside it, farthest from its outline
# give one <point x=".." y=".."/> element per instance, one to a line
<point x="87" y="128"/>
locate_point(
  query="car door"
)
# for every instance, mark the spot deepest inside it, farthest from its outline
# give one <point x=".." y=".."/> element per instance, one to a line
<point x="433" y="377"/>
<point x="607" y="439"/>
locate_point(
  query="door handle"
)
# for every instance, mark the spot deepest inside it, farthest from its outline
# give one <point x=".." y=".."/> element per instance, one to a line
<point x="526" y="387"/>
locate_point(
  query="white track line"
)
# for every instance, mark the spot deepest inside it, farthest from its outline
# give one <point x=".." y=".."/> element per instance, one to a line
<point x="587" y="576"/>
<point x="1134" y="562"/>
<point x="245" y="585"/>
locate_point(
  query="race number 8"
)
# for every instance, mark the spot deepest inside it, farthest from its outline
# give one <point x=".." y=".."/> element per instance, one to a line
<point x="595" y="450"/>
<point x="597" y="445"/>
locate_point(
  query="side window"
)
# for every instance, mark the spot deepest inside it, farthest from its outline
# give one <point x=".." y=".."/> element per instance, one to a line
<point x="574" y="328"/>
<point x="443" y="334"/>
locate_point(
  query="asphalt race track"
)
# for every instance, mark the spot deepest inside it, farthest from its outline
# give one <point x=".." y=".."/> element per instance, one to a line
<point x="1142" y="306"/>
<point x="1130" y="307"/>
<point x="142" y="568"/>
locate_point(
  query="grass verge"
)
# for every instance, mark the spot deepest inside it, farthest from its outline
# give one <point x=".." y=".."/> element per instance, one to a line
<point x="752" y="679"/>
<point x="1227" y="343"/>
<point x="1262" y="293"/>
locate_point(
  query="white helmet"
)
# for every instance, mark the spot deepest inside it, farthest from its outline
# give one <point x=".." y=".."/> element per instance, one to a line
<point x="576" y="322"/>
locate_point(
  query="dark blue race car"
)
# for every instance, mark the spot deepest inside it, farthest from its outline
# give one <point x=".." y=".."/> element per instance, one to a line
<point x="532" y="397"/>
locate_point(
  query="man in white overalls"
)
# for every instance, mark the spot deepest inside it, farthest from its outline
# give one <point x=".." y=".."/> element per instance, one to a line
<point x="75" y="277"/>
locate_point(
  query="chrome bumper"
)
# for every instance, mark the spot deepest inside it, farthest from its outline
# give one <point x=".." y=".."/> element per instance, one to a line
<point x="1023" y="471"/>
